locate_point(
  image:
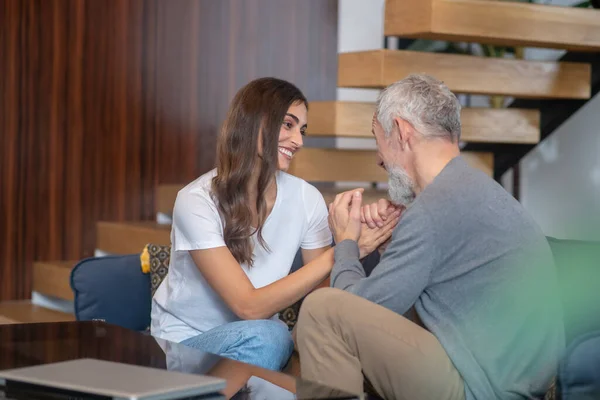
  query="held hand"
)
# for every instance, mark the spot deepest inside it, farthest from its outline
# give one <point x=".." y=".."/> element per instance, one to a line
<point x="383" y="246"/>
<point x="344" y="215"/>
<point x="372" y="238"/>
<point x="376" y="214"/>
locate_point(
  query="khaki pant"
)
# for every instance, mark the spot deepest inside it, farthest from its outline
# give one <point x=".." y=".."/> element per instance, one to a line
<point x="343" y="339"/>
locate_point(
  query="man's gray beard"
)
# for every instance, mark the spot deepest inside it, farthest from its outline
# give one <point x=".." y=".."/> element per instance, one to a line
<point x="400" y="187"/>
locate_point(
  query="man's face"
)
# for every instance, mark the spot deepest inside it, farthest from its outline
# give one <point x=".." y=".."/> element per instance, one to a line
<point x="392" y="156"/>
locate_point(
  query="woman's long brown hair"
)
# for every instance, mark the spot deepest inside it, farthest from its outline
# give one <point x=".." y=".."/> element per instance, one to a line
<point x="260" y="106"/>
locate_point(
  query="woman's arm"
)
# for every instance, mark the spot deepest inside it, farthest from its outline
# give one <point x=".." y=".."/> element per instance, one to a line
<point x="225" y="275"/>
<point x="235" y="373"/>
<point x="308" y="255"/>
<point x="238" y="374"/>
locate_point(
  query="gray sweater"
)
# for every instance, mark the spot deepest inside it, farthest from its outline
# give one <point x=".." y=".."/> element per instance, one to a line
<point x="481" y="276"/>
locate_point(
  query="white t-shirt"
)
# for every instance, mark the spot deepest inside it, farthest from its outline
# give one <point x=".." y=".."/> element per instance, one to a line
<point x="185" y="305"/>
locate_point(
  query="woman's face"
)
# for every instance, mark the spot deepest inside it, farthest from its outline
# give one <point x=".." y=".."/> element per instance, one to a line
<point x="291" y="133"/>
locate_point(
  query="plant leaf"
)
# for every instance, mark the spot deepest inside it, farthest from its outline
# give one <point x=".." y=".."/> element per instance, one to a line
<point x="583" y="4"/>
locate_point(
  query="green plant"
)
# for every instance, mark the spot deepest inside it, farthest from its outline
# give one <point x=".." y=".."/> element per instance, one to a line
<point x="587" y="4"/>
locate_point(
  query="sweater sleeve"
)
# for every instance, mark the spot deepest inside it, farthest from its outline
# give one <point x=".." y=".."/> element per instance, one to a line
<point x="404" y="270"/>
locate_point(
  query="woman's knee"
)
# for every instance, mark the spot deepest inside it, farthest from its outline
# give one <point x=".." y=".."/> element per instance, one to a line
<point x="265" y="343"/>
<point x="273" y="341"/>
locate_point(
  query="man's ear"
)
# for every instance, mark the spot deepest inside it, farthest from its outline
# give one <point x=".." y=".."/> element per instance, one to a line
<point x="406" y="132"/>
<point x="401" y="131"/>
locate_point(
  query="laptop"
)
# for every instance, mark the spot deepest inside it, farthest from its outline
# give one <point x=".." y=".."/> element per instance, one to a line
<point x="91" y="378"/>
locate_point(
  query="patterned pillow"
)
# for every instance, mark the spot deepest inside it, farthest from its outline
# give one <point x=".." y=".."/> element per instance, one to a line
<point x="289" y="315"/>
<point x="155" y="260"/>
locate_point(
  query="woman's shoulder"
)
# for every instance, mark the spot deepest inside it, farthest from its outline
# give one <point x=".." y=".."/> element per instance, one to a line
<point x="198" y="191"/>
<point x="202" y="184"/>
<point x="299" y="188"/>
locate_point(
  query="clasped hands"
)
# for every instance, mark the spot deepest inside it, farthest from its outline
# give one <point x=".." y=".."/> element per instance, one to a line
<point x="371" y="225"/>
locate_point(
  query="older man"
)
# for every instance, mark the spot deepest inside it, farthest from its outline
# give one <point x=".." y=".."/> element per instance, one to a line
<point x="465" y="254"/>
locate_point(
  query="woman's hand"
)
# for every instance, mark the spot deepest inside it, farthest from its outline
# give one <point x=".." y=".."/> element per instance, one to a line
<point x="372" y="238"/>
<point x="344" y="215"/>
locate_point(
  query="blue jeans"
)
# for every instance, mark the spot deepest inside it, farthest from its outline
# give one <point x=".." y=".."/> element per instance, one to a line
<point x="265" y="343"/>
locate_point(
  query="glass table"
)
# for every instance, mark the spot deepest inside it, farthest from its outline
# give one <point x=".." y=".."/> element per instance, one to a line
<point x="23" y="345"/>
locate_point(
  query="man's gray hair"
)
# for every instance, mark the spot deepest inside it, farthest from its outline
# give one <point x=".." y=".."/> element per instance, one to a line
<point x="424" y="102"/>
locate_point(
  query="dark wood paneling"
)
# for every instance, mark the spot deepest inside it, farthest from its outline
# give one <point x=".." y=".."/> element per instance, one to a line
<point x="102" y="100"/>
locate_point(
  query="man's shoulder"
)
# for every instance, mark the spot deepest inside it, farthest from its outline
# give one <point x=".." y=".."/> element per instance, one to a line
<point x="461" y="186"/>
<point x="471" y="206"/>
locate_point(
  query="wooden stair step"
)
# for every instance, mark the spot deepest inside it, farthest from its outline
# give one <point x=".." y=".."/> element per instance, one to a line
<point x="52" y="278"/>
<point x="336" y="165"/>
<point x="165" y="197"/>
<point x="26" y="312"/>
<point x="506" y="23"/>
<point x="489" y="125"/>
<point x="467" y="74"/>
<point x="130" y="237"/>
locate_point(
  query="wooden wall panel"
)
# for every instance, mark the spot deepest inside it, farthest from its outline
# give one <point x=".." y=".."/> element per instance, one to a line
<point x="102" y="100"/>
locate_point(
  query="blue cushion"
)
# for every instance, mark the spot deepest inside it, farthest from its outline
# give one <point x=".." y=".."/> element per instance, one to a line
<point x="298" y="262"/>
<point x="579" y="372"/>
<point x="113" y="289"/>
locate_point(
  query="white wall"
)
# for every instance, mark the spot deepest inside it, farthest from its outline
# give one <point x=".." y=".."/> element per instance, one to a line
<point x="560" y="179"/>
<point x="360" y="27"/>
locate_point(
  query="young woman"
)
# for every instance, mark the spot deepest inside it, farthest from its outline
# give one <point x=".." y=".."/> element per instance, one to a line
<point x="236" y="230"/>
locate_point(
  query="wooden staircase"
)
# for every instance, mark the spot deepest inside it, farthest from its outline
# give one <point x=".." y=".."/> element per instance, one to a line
<point x="53" y="279"/>
<point x="495" y="22"/>
<point x="130" y="237"/>
<point x="480" y="21"/>
<point x="479" y="125"/>
<point x="467" y="74"/>
<point x="24" y="311"/>
<point x="49" y="279"/>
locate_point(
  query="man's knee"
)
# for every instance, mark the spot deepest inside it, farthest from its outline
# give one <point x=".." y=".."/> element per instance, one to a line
<point x="321" y="303"/>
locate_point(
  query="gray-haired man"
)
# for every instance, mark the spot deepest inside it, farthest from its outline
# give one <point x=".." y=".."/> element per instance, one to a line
<point x="465" y="254"/>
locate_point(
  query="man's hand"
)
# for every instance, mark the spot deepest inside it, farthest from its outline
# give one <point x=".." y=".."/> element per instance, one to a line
<point x="376" y="214"/>
<point x="344" y="215"/>
<point x="373" y="238"/>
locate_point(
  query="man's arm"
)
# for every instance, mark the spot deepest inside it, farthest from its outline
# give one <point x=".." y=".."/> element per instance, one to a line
<point x="403" y="271"/>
